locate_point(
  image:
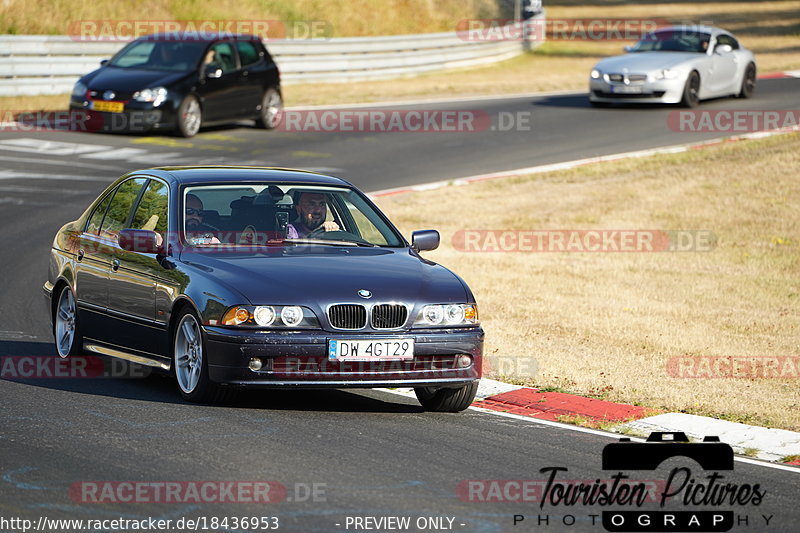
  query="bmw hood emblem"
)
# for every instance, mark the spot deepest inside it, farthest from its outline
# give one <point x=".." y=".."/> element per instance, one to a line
<point x="364" y="293"/>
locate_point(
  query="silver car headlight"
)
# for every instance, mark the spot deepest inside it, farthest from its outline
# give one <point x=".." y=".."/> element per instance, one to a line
<point x="447" y="315"/>
<point x="156" y="95"/>
<point x="668" y="74"/>
<point x="595" y="74"/>
<point x="79" y="90"/>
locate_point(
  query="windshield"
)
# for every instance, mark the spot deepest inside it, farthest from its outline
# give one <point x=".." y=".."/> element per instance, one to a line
<point x="172" y="56"/>
<point x="674" y="41"/>
<point x="282" y="214"/>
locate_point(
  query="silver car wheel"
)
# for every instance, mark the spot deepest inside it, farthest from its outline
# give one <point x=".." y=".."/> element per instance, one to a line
<point x="188" y="353"/>
<point x="191" y="118"/>
<point x="271" y="109"/>
<point x="65" y="322"/>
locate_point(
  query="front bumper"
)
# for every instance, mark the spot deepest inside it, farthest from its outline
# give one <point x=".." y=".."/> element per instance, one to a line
<point x="649" y="91"/>
<point x="300" y="359"/>
<point x="136" y="117"/>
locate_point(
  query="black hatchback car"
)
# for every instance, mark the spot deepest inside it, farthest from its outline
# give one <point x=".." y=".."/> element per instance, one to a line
<point x="161" y="82"/>
<point x="239" y="276"/>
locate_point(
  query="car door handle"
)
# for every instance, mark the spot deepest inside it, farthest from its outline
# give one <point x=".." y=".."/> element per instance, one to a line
<point x="80" y="255"/>
<point x="115" y="265"/>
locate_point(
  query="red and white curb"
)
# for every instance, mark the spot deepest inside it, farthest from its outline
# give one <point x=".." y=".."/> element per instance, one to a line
<point x="780" y="75"/>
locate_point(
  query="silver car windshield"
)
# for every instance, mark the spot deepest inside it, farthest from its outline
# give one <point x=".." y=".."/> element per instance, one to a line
<point x="277" y="213"/>
<point x="674" y="41"/>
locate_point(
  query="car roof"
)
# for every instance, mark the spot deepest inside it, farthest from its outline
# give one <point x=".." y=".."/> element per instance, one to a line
<point x="197" y="36"/>
<point x="695" y="28"/>
<point x="235" y="174"/>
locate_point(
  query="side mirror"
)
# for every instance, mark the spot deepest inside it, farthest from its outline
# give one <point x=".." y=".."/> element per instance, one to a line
<point x="427" y="239"/>
<point x="628" y="48"/>
<point x="140" y="240"/>
<point x="212" y="72"/>
<point x="723" y="49"/>
<point x="104" y="62"/>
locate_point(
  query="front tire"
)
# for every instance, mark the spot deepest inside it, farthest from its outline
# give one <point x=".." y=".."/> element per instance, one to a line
<point x="190" y="117"/>
<point x="748" y="82"/>
<point x="447" y="400"/>
<point x="691" y="91"/>
<point x="271" y="112"/>
<point x="66" y="331"/>
<point x="190" y="362"/>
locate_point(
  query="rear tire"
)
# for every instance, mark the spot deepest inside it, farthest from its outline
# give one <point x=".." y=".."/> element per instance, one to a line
<point x="691" y="91"/>
<point x="190" y="117"/>
<point x="190" y="362"/>
<point x="66" y="330"/>
<point x="748" y="82"/>
<point x="271" y="112"/>
<point x="447" y="400"/>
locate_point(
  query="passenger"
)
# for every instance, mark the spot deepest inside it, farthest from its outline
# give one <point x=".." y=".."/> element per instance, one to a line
<point x="312" y="209"/>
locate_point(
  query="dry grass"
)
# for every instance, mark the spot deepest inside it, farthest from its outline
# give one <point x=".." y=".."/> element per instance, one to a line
<point x="770" y="29"/>
<point x="344" y="17"/>
<point x="605" y="324"/>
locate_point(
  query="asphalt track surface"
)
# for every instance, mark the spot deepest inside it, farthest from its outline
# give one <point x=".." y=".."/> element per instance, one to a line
<point x="370" y="453"/>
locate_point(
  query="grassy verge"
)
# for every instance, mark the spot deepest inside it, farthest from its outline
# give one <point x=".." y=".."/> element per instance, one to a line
<point x="770" y="29"/>
<point x="606" y="324"/>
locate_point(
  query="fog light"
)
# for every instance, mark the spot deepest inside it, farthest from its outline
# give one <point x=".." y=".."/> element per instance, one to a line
<point x="463" y="361"/>
<point x="255" y="364"/>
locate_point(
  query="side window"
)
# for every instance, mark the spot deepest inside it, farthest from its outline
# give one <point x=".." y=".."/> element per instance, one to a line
<point x="366" y="228"/>
<point x="151" y="213"/>
<point x="96" y="218"/>
<point x="248" y="53"/>
<point x="727" y="39"/>
<point x="223" y="56"/>
<point x="120" y="208"/>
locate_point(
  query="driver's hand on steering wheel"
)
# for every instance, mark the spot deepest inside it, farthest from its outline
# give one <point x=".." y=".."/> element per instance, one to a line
<point x="330" y="226"/>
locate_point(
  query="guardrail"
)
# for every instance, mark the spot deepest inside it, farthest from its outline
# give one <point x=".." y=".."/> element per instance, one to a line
<point x="44" y="64"/>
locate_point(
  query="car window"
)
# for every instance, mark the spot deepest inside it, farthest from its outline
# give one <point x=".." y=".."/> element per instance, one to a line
<point x="96" y="218"/>
<point x="364" y="226"/>
<point x="674" y="41"/>
<point x="222" y="55"/>
<point x="151" y="213"/>
<point x="173" y="56"/>
<point x="727" y="39"/>
<point x="120" y="208"/>
<point x="248" y="53"/>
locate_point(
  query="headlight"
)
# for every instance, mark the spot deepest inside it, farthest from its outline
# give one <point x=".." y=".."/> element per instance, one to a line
<point x="157" y="96"/>
<point x="271" y="316"/>
<point x="667" y="74"/>
<point x="448" y="315"/>
<point x="595" y="74"/>
<point x="79" y="90"/>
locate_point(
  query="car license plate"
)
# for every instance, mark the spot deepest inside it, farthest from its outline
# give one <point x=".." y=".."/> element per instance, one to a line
<point x="626" y="89"/>
<point x="109" y="107"/>
<point x="369" y="350"/>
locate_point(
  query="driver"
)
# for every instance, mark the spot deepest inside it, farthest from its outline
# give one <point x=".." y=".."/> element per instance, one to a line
<point x="197" y="231"/>
<point x="312" y="209"/>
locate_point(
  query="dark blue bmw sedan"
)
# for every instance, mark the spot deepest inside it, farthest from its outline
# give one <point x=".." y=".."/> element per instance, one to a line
<point x="230" y="277"/>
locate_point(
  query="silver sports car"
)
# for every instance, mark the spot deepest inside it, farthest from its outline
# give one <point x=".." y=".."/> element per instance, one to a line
<point x="678" y="64"/>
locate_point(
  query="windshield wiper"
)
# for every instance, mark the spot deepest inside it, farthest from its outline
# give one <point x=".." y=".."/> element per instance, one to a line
<point x="330" y="242"/>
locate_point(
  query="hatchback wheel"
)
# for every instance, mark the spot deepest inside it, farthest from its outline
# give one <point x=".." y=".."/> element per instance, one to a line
<point x="271" y="112"/>
<point x="190" y="362"/>
<point x="748" y="82"/>
<point x="190" y="116"/>
<point x="69" y="340"/>
<point x="447" y="400"/>
<point x="691" y="91"/>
